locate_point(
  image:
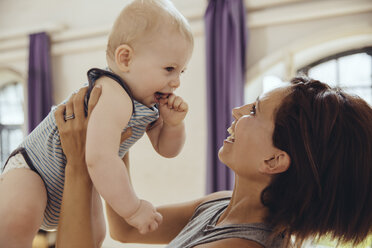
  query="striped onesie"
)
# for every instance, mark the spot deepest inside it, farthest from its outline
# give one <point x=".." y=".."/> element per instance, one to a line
<point x="43" y="152"/>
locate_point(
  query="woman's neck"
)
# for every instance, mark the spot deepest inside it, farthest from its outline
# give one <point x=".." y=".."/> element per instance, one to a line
<point x="245" y="205"/>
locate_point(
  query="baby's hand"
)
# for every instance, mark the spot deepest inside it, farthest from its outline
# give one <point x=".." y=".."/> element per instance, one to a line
<point x="146" y="218"/>
<point x="173" y="109"/>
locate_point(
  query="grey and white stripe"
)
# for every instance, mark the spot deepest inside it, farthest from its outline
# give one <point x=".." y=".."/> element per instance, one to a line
<point x="43" y="146"/>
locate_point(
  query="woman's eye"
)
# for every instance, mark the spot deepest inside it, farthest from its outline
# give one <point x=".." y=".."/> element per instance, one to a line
<point x="253" y="110"/>
<point x="169" y="69"/>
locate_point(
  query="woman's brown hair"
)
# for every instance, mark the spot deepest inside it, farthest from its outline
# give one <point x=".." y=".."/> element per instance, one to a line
<point x="327" y="189"/>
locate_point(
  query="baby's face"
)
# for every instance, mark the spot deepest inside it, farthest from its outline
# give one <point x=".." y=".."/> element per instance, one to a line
<point x="156" y="66"/>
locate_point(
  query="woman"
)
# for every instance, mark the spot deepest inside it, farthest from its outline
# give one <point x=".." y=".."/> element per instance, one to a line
<point x="302" y="162"/>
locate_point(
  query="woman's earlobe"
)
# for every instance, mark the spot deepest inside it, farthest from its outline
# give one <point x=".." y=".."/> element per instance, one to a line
<point x="284" y="161"/>
<point x="123" y="57"/>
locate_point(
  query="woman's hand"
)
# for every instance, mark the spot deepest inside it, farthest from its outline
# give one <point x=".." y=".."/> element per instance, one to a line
<point x="75" y="224"/>
<point x="73" y="130"/>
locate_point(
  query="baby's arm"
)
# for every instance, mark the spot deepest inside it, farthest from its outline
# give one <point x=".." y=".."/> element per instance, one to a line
<point x="106" y="169"/>
<point x="167" y="135"/>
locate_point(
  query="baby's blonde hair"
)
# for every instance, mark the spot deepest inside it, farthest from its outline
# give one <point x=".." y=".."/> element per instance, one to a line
<point x="140" y="18"/>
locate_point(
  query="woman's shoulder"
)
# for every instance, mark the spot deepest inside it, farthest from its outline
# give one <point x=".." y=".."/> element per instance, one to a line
<point x="205" y="202"/>
<point x="214" y="198"/>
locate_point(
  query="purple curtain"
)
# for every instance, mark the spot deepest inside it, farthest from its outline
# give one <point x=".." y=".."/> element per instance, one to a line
<point x="39" y="79"/>
<point x="226" y="38"/>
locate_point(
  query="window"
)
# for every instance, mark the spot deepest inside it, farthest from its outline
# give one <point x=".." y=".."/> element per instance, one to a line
<point x="350" y="70"/>
<point x="11" y="118"/>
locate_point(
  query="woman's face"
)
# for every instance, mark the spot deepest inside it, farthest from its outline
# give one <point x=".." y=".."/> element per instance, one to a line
<point x="250" y="143"/>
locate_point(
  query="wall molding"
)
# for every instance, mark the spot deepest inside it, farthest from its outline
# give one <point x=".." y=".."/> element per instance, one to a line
<point x="14" y="34"/>
<point x="8" y="74"/>
<point x="307" y="11"/>
<point x="14" y="43"/>
<point x="309" y="49"/>
<point x="262" y="4"/>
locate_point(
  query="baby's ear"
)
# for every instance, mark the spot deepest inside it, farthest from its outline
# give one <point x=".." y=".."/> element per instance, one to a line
<point x="123" y="56"/>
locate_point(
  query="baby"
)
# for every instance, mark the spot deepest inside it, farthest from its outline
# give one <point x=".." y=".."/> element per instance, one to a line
<point x="149" y="47"/>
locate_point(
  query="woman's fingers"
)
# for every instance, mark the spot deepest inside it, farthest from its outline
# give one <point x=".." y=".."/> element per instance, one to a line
<point x="94" y="97"/>
<point x="69" y="108"/>
<point x="71" y="121"/>
<point x="78" y="100"/>
<point x="60" y="116"/>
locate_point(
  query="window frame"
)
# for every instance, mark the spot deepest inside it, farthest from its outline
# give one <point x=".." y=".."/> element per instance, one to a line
<point x="367" y="50"/>
<point x="6" y="150"/>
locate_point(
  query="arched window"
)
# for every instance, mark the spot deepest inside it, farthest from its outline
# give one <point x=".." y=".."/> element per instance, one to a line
<point x="350" y="70"/>
<point x="11" y="117"/>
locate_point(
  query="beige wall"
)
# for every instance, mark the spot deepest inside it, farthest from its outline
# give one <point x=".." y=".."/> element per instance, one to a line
<point x="284" y="34"/>
<point x="157" y="179"/>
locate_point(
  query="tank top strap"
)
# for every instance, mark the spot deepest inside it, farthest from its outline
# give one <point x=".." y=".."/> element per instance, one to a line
<point x="94" y="74"/>
<point x="202" y="228"/>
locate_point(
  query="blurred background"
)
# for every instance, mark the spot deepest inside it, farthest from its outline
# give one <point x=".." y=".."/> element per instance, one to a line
<point x="330" y="40"/>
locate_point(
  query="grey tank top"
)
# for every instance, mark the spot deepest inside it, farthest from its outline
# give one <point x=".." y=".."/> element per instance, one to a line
<point x="202" y="228"/>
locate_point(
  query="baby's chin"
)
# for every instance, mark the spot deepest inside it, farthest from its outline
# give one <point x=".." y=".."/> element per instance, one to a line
<point x="150" y="104"/>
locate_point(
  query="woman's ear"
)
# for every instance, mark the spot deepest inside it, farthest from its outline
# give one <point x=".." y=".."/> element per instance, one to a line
<point x="278" y="163"/>
<point x="123" y="56"/>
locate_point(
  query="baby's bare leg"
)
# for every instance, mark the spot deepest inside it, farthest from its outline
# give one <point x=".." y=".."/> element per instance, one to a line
<point x="23" y="200"/>
<point x="98" y="220"/>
